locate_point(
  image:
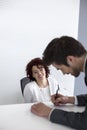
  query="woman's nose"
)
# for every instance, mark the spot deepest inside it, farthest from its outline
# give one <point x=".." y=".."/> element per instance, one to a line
<point x="39" y="72"/>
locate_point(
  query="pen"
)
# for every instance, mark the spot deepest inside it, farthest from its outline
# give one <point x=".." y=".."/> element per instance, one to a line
<point x="56" y="96"/>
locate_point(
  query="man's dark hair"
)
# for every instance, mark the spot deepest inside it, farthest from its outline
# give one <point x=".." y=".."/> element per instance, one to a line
<point x="59" y="48"/>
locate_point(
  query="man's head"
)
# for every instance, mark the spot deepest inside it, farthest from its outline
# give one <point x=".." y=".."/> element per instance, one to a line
<point x="65" y="54"/>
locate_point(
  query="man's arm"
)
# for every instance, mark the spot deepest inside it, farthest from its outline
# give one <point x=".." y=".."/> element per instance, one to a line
<point x="71" y="119"/>
<point x="74" y="120"/>
<point x="82" y="100"/>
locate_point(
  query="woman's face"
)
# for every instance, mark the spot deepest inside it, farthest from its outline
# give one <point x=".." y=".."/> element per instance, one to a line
<point x="38" y="72"/>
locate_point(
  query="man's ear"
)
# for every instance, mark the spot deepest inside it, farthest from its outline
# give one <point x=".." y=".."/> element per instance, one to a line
<point x="70" y="60"/>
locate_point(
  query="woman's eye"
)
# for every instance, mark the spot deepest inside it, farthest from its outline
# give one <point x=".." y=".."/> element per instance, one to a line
<point x="34" y="72"/>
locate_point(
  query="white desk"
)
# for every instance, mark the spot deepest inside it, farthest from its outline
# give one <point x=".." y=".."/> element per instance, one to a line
<point x="19" y="117"/>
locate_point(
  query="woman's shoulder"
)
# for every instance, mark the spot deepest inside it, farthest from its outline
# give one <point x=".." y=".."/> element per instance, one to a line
<point x="30" y="85"/>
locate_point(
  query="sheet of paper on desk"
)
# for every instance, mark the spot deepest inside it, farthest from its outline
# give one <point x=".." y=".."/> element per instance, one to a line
<point x="67" y="107"/>
<point x="50" y="104"/>
<point x="70" y="107"/>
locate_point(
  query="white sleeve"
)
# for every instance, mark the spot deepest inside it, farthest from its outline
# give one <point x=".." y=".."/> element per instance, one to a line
<point x="27" y="94"/>
<point x="76" y="101"/>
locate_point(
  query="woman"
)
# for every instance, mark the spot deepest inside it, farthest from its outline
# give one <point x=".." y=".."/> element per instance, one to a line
<point x="42" y="86"/>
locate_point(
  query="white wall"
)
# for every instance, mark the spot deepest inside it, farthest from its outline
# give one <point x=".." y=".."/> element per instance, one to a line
<point x="80" y="87"/>
<point x="26" y="27"/>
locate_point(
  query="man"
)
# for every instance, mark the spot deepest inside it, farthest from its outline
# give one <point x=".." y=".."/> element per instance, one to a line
<point x="68" y="55"/>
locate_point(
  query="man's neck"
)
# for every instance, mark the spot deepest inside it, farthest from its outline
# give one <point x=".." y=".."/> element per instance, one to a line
<point x="84" y="58"/>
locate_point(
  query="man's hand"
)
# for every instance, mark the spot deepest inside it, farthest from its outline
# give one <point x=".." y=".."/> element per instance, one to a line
<point x="62" y="99"/>
<point x="41" y="109"/>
